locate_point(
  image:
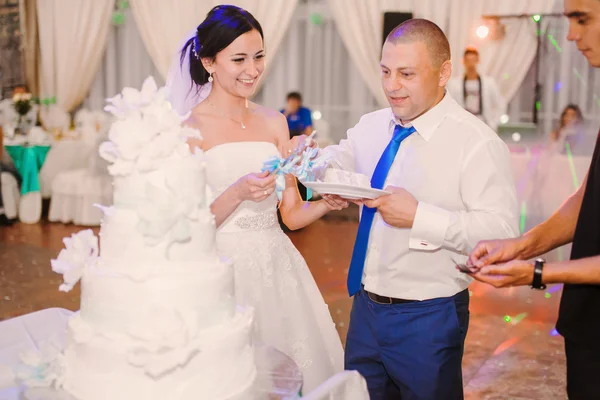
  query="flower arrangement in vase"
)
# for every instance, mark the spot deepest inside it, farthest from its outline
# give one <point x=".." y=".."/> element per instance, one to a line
<point x="23" y="104"/>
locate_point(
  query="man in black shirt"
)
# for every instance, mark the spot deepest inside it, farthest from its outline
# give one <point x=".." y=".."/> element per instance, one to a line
<point x="501" y="262"/>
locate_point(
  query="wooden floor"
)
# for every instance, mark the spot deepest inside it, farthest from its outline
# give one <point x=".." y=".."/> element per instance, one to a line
<point x="516" y="358"/>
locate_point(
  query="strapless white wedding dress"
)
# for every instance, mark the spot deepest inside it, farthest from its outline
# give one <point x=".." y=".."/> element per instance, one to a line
<point x="270" y="273"/>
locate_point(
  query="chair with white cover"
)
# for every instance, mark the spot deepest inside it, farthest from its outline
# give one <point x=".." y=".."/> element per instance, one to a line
<point x="74" y="193"/>
<point x="9" y="190"/>
<point x="345" y="385"/>
<point x="64" y="155"/>
<point x="8" y="114"/>
<point x="88" y="134"/>
<point x="74" y="154"/>
<point x="83" y="117"/>
<point x="98" y="119"/>
<point x="9" y="187"/>
<point x="102" y="121"/>
<point x="55" y="118"/>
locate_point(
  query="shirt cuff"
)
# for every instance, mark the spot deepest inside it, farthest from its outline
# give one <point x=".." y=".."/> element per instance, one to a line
<point x="429" y="227"/>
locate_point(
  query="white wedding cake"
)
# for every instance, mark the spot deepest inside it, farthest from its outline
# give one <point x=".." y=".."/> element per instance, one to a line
<point x="158" y="316"/>
<point x="333" y="175"/>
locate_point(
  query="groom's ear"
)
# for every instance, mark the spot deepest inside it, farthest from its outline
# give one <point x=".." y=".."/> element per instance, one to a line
<point x="445" y="72"/>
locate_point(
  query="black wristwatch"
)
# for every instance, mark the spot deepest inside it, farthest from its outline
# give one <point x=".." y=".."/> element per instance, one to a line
<point x="537" y="274"/>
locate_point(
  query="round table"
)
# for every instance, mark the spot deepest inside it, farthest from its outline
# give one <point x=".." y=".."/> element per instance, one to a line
<point x="278" y="376"/>
<point x="28" y="161"/>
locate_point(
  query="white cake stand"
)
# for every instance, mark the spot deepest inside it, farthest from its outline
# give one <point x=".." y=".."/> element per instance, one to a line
<point x="278" y="376"/>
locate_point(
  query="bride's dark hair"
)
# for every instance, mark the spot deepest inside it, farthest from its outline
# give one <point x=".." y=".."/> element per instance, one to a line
<point x="222" y="25"/>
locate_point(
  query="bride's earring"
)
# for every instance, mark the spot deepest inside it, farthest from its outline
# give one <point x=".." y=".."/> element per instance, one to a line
<point x="210" y="78"/>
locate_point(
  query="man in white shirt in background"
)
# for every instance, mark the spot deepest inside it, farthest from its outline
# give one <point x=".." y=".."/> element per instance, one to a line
<point x="451" y="184"/>
<point x="478" y="94"/>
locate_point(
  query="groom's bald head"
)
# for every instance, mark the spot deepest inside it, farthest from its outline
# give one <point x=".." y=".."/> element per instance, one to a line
<point x="415" y="67"/>
<point x="422" y="30"/>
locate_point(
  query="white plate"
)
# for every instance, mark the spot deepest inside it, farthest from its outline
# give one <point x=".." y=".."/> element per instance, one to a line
<point x="346" y="191"/>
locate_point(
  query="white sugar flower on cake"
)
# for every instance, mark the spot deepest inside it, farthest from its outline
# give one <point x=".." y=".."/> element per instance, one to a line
<point x="167" y="211"/>
<point x="43" y="367"/>
<point x="80" y="252"/>
<point x="168" y="345"/>
<point x="147" y="130"/>
<point x="131" y="100"/>
<point x="155" y="172"/>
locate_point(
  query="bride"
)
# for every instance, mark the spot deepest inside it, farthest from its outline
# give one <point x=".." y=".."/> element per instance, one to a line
<point x="213" y="76"/>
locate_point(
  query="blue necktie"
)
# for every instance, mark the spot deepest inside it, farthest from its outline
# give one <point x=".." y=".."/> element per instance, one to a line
<point x="380" y="174"/>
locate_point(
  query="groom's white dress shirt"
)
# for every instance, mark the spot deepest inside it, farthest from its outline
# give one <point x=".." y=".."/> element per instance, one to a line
<point x="459" y="171"/>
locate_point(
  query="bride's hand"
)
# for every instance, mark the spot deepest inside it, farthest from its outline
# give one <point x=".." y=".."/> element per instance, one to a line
<point x="335" y="202"/>
<point x="255" y="187"/>
<point x="298" y="142"/>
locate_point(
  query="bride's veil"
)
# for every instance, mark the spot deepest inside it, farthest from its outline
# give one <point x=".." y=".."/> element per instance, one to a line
<point x="183" y="93"/>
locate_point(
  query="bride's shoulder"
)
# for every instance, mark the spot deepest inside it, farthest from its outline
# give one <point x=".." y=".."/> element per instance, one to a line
<point x="269" y="115"/>
<point x="275" y="122"/>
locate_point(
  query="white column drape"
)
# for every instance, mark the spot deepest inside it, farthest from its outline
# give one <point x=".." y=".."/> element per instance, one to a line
<point x="73" y="36"/>
<point x="314" y="61"/>
<point x="360" y="25"/>
<point x="176" y="19"/>
<point x="163" y="24"/>
<point x="433" y="10"/>
<point x="126" y="63"/>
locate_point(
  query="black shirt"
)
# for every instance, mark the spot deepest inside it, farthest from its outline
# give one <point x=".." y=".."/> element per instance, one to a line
<point x="579" y="314"/>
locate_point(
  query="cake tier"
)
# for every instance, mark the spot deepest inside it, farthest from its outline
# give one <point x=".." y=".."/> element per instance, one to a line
<point x="181" y="175"/>
<point x="117" y="297"/>
<point x="121" y="238"/>
<point x="347" y="178"/>
<point x="220" y="365"/>
<point x="161" y="213"/>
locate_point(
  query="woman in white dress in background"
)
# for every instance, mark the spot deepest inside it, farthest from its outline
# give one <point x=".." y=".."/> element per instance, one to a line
<point x="570" y="130"/>
<point x="218" y="69"/>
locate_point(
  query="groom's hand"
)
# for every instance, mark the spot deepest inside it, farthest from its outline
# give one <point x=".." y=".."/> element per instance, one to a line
<point x="397" y="209"/>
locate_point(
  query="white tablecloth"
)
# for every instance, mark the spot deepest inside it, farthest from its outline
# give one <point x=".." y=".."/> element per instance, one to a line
<point x="25" y="333"/>
<point x="544" y="181"/>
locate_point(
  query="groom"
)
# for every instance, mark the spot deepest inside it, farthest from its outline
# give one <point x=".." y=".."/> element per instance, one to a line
<point x="451" y="185"/>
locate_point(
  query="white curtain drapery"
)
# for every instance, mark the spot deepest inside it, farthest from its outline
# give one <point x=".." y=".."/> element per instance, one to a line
<point x="176" y="19"/>
<point x="314" y="61"/>
<point x="360" y="25"/>
<point x="126" y="63"/>
<point x="506" y="60"/>
<point x="73" y="36"/>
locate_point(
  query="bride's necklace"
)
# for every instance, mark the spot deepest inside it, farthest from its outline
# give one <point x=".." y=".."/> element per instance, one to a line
<point x="227" y="116"/>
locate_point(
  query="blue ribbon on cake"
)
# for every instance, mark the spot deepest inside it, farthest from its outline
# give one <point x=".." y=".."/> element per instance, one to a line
<point x="303" y="166"/>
